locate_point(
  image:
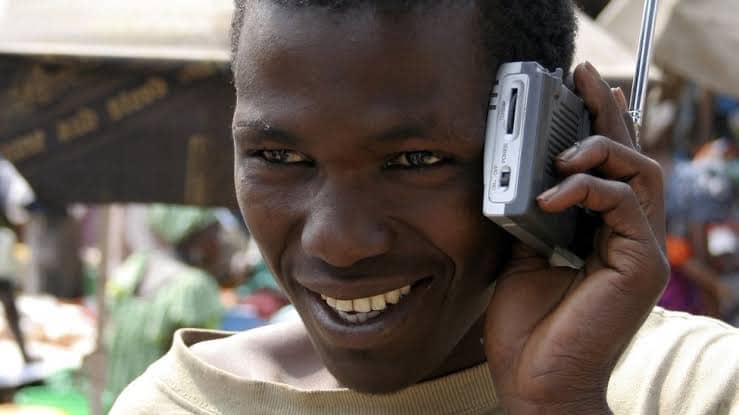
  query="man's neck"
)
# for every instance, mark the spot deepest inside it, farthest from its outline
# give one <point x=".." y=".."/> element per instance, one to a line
<point x="469" y="352"/>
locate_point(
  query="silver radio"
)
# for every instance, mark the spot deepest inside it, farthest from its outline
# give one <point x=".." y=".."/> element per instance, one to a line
<point x="532" y="118"/>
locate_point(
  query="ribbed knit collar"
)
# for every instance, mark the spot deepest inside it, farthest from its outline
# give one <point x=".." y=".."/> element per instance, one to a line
<point x="202" y="388"/>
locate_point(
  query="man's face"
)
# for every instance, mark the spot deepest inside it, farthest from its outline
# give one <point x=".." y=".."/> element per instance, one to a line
<point x="358" y="140"/>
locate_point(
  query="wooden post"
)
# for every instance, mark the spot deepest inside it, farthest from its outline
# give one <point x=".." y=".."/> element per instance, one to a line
<point x="112" y="227"/>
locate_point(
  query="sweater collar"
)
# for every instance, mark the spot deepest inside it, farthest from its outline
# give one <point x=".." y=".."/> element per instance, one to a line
<point x="192" y="382"/>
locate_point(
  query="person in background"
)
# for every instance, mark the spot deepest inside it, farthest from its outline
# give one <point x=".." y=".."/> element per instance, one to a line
<point x="16" y="198"/>
<point x="153" y="293"/>
<point x="694" y="286"/>
<point x="698" y="194"/>
<point x="8" y="270"/>
<point x="260" y="290"/>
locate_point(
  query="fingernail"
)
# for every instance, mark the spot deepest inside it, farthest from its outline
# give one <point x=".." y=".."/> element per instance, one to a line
<point x="548" y="194"/>
<point x="568" y="154"/>
<point x="618" y="94"/>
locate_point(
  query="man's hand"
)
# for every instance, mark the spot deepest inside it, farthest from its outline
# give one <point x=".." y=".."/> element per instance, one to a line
<point x="553" y="335"/>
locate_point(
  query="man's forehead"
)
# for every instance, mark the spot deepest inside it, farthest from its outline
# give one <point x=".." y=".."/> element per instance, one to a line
<point x="275" y="32"/>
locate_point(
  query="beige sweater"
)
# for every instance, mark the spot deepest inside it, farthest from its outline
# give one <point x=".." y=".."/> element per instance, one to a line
<point x="677" y="364"/>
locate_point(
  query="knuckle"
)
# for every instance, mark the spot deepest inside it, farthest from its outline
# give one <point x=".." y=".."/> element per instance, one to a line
<point x="599" y="144"/>
<point x="582" y="180"/>
<point x="650" y="178"/>
<point x="626" y="195"/>
<point x="639" y="183"/>
<point x="624" y="190"/>
<point x="604" y="91"/>
<point x="653" y="167"/>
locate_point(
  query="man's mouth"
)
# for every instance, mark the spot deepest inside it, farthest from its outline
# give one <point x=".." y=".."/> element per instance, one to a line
<point x="359" y="310"/>
<point x="364" y="313"/>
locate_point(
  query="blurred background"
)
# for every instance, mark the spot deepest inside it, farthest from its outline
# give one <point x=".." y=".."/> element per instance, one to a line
<point x="118" y="223"/>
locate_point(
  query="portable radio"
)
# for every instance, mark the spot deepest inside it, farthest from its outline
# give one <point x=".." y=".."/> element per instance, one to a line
<point x="532" y="118"/>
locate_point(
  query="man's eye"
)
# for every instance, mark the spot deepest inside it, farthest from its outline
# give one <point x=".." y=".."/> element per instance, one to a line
<point x="415" y="159"/>
<point x="282" y="156"/>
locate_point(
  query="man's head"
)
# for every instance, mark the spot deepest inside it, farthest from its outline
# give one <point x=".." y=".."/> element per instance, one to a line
<point x="511" y="30"/>
<point x="358" y="132"/>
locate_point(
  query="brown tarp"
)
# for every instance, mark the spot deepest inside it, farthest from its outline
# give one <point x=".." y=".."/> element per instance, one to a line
<point x="102" y="131"/>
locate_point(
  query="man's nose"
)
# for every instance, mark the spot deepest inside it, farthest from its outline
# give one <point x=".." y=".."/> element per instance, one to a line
<point x="342" y="230"/>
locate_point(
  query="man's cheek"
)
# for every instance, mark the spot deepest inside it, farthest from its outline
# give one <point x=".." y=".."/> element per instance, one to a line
<point x="268" y="214"/>
<point x="451" y="217"/>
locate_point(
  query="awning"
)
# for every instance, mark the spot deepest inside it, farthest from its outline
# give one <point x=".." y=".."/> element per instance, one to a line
<point x="609" y="55"/>
<point x="698" y="40"/>
<point x="190" y="30"/>
<point x="155" y="29"/>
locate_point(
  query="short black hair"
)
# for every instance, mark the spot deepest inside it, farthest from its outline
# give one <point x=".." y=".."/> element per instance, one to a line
<point x="514" y="30"/>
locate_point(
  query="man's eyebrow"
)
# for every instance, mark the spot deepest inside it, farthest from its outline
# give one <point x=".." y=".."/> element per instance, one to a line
<point x="260" y="130"/>
<point x="422" y="130"/>
<point x="400" y="133"/>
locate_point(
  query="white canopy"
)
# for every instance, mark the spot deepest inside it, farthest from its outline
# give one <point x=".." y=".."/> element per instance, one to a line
<point x="608" y="54"/>
<point x="160" y="29"/>
<point x="189" y="30"/>
<point x="698" y="40"/>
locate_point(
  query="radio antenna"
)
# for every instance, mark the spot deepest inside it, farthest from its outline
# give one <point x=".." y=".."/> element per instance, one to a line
<point x="643" y="60"/>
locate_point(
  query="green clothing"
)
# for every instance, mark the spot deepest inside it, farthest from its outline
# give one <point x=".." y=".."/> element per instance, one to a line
<point x="175" y="223"/>
<point x="151" y="295"/>
<point x="261" y="278"/>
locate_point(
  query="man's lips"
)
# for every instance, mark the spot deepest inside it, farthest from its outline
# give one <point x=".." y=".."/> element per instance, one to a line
<point x="357" y="287"/>
<point x="351" y="325"/>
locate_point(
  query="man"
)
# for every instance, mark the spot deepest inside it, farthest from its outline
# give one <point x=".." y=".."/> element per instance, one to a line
<point x="358" y="136"/>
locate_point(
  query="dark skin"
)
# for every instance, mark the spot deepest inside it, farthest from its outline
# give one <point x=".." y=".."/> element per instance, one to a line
<point x="360" y="172"/>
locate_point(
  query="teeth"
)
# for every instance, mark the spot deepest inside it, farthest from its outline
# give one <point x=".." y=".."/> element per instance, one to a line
<point x="344" y="305"/>
<point x="378" y="302"/>
<point x="393" y="297"/>
<point x="359" y="310"/>
<point x="358" y="317"/>
<point x="362" y="305"/>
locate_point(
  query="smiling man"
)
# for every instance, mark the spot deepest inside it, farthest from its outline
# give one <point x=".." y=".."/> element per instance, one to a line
<point x="358" y="136"/>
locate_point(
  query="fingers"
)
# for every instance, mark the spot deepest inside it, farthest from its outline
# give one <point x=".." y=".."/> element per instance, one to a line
<point x="615" y="200"/>
<point x="629" y="247"/>
<point x="635" y="269"/>
<point x="612" y="159"/>
<point x="615" y="161"/>
<point x="608" y="116"/>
